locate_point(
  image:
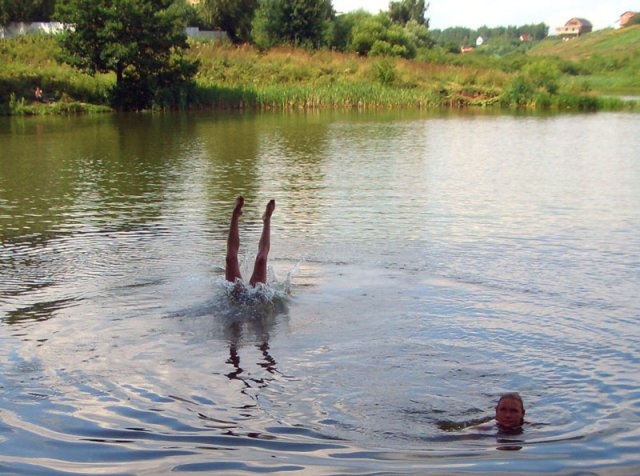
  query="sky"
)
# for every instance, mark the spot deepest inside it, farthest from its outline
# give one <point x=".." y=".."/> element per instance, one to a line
<point x="474" y="13"/>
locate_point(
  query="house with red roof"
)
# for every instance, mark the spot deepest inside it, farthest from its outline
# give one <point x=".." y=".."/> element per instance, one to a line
<point x="625" y="18"/>
<point x="574" y="28"/>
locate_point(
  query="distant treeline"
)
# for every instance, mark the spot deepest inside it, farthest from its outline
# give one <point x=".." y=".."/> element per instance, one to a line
<point x="455" y="37"/>
<point x="267" y="23"/>
<point x="401" y="31"/>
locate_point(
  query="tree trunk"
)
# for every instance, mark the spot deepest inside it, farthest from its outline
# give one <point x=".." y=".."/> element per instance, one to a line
<point x="119" y="73"/>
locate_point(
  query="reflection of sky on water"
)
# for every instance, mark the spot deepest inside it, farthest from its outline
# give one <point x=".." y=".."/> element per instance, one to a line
<point x="441" y="268"/>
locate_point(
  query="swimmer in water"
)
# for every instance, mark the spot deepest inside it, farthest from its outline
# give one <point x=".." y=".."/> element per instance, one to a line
<point x="232" y="268"/>
<point x="510" y="412"/>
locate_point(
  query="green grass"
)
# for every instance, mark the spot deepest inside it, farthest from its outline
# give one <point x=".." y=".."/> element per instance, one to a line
<point x="604" y="62"/>
<point x="287" y="78"/>
<point x="30" y="61"/>
<point x="617" y="44"/>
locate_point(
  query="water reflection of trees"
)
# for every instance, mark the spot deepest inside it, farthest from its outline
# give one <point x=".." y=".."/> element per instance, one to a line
<point x="40" y="311"/>
<point x="109" y="172"/>
<point x="278" y="155"/>
<point x="231" y="145"/>
<point x="304" y="144"/>
<point x="62" y="178"/>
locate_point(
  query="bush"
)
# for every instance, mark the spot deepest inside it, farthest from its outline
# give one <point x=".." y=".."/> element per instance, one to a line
<point x="543" y="75"/>
<point x="392" y="39"/>
<point x="384" y="71"/>
<point x="518" y="91"/>
<point x="384" y="48"/>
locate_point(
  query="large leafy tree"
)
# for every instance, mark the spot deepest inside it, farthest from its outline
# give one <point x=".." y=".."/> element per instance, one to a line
<point x="141" y="41"/>
<point x="5" y="13"/>
<point x="25" y="10"/>
<point x="232" y="16"/>
<point x="296" y="22"/>
<point x="403" y="11"/>
<point x="342" y="28"/>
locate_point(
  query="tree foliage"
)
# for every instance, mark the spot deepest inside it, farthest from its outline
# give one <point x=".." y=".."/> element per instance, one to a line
<point x="458" y="36"/>
<point x="419" y="33"/>
<point x="342" y="26"/>
<point x="141" y="41"/>
<point x="232" y="16"/>
<point x="537" y="81"/>
<point x="537" y="31"/>
<point x="403" y="11"/>
<point x="379" y="36"/>
<point x="25" y="10"/>
<point x="295" y="22"/>
<point x="187" y="12"/>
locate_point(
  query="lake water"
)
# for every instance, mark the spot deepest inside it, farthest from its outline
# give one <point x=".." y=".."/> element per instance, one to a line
<point x="423" y="264"/>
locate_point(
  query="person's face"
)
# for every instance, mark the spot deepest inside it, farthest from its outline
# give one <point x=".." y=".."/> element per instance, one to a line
<point x="509" y="413"/>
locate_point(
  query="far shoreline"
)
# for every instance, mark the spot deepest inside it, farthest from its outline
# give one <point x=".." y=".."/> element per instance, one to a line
<point x="244" y="78"/>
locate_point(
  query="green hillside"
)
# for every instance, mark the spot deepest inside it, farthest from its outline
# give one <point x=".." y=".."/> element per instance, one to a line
<point x="606" y="61"/>
<point x="619" y="44"/>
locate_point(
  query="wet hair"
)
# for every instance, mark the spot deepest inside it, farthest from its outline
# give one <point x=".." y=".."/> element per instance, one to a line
<point x="512" y="396"/>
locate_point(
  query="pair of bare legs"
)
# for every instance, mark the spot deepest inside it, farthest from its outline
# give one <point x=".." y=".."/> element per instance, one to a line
<point x="232" y="268"/>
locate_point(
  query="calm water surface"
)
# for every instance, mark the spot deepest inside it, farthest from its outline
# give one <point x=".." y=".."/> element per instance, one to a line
<point x="422" y="265"/>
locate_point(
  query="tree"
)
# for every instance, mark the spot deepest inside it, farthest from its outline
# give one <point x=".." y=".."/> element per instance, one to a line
<point x="5" y="14"/>
<point x="188" y="13"/>
<point x="403" y="11"/>
<point x="378" y="35"/>
<point x="419" y="33"/>
<point x="296" y="22"/>
<point x="342" y="28"/>
<point x="25" y="10"/>
<point x="232" y="16"/>
<point x="141" y="41"/>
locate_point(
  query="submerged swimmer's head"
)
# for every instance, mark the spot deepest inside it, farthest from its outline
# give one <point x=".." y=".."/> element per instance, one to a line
<point x="510" y="411"/>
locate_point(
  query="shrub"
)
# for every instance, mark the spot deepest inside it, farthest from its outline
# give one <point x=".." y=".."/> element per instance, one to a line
<point x="518" y="91"/>
<point x="384" y="71"/>
<point x="380" y="29"/>
<point x="543" y="75"/>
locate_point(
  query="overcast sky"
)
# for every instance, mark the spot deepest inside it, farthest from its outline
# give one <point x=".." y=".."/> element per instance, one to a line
<point x="474" y="13"/>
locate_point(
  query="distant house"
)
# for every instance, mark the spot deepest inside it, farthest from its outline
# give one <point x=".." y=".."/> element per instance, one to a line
<point x="466" y="49"/>
<point x="625" y="17"/>
<point x="526" y="37"/>
<point x="479" y="41"/>
<point x="574" y="28"/>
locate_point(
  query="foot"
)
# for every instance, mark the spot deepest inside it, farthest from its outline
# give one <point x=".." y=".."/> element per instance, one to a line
<point x="237" y="209"/>
<point x="271" y="206"/>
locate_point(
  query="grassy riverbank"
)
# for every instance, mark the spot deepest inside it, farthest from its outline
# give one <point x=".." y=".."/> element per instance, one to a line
<point x="30" y="61"/>
<point x="575" y="75"/>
